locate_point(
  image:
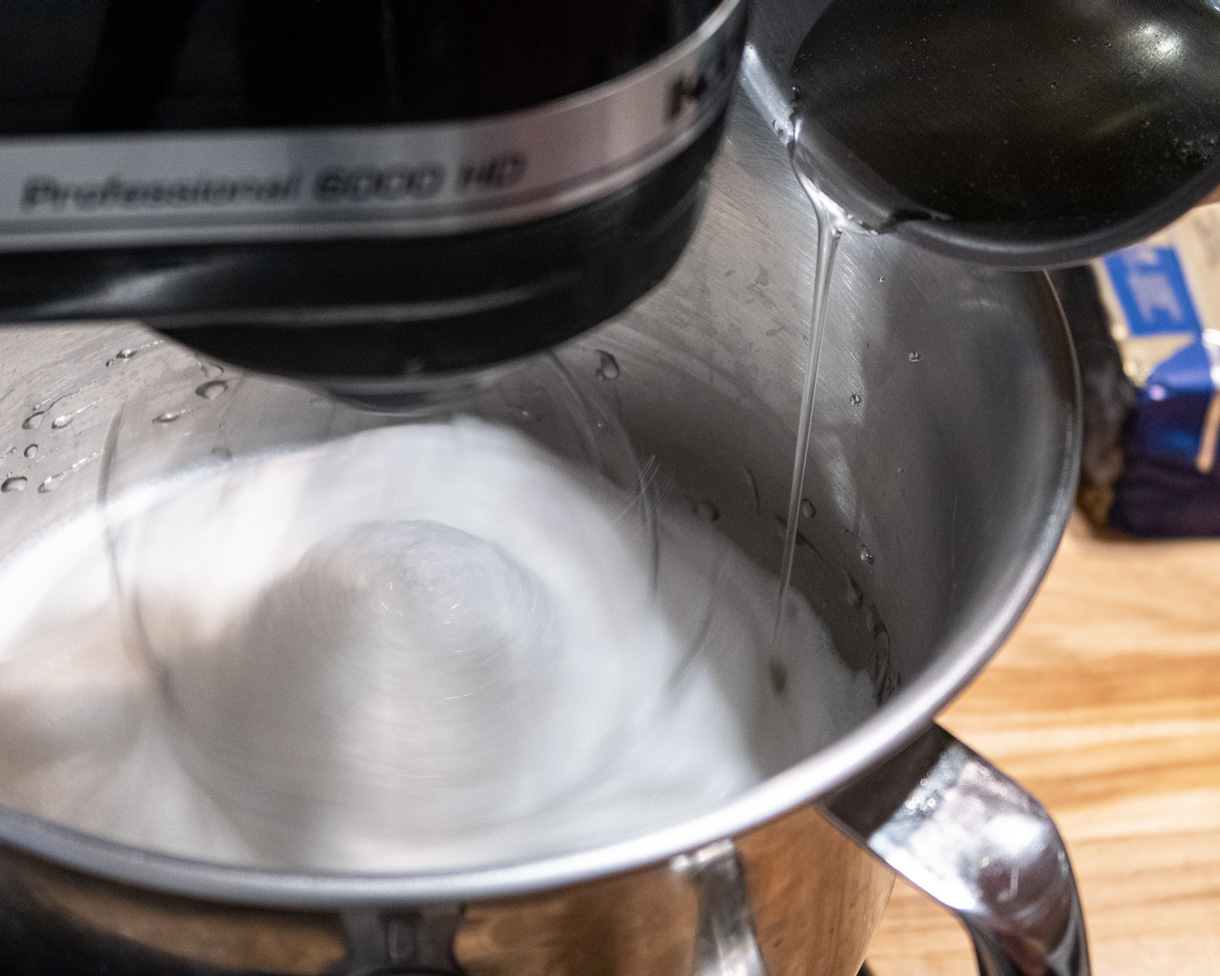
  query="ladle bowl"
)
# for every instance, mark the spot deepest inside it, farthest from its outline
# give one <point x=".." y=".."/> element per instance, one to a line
<point x="1026" y="135"/>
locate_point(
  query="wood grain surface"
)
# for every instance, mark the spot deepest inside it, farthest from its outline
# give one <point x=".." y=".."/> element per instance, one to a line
<point x="1106" y="705"/>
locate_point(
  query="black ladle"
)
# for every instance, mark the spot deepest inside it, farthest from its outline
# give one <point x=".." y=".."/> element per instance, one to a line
<point x="1023" y="133"/>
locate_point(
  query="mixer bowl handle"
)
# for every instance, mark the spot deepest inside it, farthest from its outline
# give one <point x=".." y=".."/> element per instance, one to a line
<point x="968" y="836"/>
<point x="725" y="942"/>
<point x="955" y="827"/>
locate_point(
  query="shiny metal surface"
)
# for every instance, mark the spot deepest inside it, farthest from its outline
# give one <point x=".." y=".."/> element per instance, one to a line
<point x="725" y="942"/>
<point x="1027" y="136"/>
<point x="959" y="829"/>
<point x="418" y="941"/>
<point x="815" y="898"/>
<point x="954" y="826"/>
<point x="76" y="192"/>
<point x="941" y="483"/>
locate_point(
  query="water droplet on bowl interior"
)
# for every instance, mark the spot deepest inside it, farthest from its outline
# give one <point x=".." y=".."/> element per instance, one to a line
<point x="15" y="483"/>
<point x="31" y="451"/>
<point x="854" y="595"/>
<point x="751" y="484"/>
<point x="33" y="420"/>
<point x="872" y="622"/>
<point x="608" y="368"/>
<point x="915" y="357"/>
<point x="856" y="399"/>
<point x="50" y="484"/>
<point x="865" y="555"/>
<point x="211" y="389"/>
<point x="60" y="422"/>
<point x="168" y="417"/>
<point x="807" y="508"/>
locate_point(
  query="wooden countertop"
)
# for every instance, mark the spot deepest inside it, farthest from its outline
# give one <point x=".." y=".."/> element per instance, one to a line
<point x="1106" y="704"/>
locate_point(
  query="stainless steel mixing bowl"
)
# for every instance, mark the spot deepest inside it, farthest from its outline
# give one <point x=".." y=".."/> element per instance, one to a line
<point x="942" y="469"/>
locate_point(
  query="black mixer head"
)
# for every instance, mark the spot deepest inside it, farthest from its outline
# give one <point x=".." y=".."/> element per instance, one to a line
<point x="384" y="323"/>
<point x="357" y="205"/>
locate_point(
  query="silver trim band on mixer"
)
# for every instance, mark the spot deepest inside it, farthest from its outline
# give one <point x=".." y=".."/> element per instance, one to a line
<point x="80" y="191"/>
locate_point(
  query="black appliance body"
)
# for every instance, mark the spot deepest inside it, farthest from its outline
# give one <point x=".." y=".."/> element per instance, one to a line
<point x="384" y="198"/>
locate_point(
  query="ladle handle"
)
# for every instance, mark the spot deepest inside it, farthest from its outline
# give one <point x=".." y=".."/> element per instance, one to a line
<point x="968" y="836"/>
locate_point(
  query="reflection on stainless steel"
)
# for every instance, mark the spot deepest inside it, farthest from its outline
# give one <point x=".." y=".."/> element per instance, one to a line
<point x="959" y="829"/>
<point x="418" y="942"/>
<point x="725" y="944"/>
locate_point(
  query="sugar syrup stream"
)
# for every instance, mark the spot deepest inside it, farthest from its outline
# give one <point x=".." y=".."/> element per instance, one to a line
<point x="832" y="221"/>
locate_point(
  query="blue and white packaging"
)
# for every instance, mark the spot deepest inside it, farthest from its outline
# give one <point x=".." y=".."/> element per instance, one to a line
<point x="1163" y="301"/>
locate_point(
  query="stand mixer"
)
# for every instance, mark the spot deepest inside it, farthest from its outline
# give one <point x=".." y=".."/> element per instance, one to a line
<point x="390" y="203"/>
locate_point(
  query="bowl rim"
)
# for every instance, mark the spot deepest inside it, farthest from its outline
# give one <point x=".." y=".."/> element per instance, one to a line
<point x="890" y="728"/>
